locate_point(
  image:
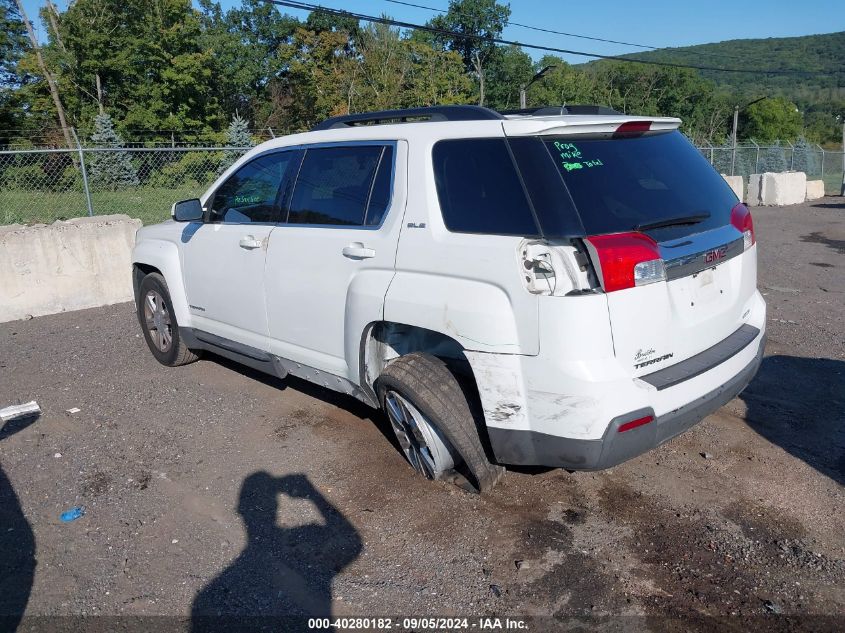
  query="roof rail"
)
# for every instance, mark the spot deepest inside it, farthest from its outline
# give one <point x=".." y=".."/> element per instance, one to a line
<point x="416" y="115"/>
<point x="565" y="109"/>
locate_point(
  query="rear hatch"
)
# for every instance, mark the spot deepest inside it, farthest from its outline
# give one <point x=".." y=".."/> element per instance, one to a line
<point x="666" y="237"/>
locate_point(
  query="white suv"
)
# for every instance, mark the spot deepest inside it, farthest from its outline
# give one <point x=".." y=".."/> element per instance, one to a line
<point x="567" y="287"/>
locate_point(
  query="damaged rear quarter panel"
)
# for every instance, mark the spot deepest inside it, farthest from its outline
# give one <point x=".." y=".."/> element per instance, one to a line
<point x="480" y="316"/>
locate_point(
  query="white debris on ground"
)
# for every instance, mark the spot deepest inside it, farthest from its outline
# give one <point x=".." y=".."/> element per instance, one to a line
<point x="19" y="411"/>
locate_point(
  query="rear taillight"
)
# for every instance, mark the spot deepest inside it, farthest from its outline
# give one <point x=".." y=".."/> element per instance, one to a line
<point x="625" y="260"/>
<point x="741" y="219"/>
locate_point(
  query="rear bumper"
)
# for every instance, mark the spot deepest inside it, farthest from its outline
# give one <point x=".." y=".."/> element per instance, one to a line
<point x="528" y="447"/>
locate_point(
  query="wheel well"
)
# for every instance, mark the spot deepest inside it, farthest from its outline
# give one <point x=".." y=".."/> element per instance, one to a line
<point x="385" y="341"/>
<point x="139" y="271"/>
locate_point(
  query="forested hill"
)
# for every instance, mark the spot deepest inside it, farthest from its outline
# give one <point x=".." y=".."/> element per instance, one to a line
<point x="814" y="53"/>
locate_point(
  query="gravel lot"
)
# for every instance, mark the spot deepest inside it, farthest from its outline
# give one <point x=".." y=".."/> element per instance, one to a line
<point x="211" y="486"/>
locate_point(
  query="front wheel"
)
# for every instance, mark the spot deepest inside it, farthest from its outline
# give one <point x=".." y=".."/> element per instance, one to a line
<point x="158" y="322"/>
<point x="433" y="420"/>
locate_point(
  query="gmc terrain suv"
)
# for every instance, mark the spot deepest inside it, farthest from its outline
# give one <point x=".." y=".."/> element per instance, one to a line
<point x="565" y="287"/>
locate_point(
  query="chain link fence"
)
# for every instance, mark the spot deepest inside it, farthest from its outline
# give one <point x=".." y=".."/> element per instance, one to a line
<point x="815" y="161"/>
<point x="44" y="185"/>
<point x="41" y="186"/>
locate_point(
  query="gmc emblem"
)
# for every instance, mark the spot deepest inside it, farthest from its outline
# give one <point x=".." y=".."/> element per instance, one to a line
<point x="715" y="255"/>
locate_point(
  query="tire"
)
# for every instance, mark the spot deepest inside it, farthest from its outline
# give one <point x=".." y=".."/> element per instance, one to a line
<point x="426" y="384"/>
<point x="158" y="323"/>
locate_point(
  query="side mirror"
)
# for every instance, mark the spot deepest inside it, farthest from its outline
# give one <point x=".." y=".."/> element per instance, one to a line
<point x="187" y="211"/>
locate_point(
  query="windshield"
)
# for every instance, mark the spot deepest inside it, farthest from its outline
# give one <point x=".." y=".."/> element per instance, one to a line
<point x="659" y="184"/>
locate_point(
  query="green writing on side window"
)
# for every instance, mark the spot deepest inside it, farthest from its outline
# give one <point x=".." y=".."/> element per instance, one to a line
<point x="241" y="200"/>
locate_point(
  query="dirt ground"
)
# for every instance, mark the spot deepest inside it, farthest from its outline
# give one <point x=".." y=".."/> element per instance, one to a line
<point x="213" y="489"/>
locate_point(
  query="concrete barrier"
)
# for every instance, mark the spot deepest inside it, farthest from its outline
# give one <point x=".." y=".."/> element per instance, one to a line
<point x="815" y="189"/>
<point x="737" y="184"/>
<point x="81" y="263"/>
<point x="771" y="189"/>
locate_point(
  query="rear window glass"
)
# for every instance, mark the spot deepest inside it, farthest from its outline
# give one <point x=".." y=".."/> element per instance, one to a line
<point x="479" y="189"/>
<point x="621" y="184"/>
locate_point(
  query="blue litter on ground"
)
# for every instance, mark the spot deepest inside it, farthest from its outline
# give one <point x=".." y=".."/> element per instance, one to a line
<point x="72" y="515"/>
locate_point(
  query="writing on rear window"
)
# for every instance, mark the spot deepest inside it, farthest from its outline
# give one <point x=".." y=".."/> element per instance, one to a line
<point x="569" y="152"/>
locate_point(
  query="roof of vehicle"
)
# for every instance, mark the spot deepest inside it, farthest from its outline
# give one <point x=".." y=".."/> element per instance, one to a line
<point x="457" y="121"/>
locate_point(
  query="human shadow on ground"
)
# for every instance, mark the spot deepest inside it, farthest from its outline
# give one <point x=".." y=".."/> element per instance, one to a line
<point x="284" y="575"/>
<point x="17" y="544"/>
<point x="799" y="404"/>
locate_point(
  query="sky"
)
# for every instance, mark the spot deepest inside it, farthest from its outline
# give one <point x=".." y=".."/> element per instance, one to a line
<point x="658" y="23"/>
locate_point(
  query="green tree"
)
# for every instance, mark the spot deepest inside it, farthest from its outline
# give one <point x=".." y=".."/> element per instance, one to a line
<point x="142" y="60"/>
<point x="111" y="170"/>
<point x="823" y="121"/>
<point x="508" y="68"/>
<point x="237" y="136"/>
<point x="319" y="78"/>
<point x="561" y="85"/>
<point x="380" y="79"/>
<point x="805" y="157"/>
<point x="474" y="21"/>
<point x="13" y="46"/>
<point x="245" y="42"/>
<point x="437" y="77"/>
<point x="771" y="119"/>
<point x="396" y="72"/>
<point x="662" y="91"/>
<point x="773" y="159"/>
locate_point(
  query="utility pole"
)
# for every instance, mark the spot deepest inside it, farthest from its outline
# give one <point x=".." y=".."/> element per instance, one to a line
<point x="524" y="87"/>
<point x="842" y="190"/>
<point x="52" y="15"/>
<point x="733" y="133"/>
<point x="733" y="139"/>
<point x="54" y="89"/>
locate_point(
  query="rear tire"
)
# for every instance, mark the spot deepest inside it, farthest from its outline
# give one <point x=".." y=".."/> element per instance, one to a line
<point x="158" y="322"/>
<point x="437" y="401"/>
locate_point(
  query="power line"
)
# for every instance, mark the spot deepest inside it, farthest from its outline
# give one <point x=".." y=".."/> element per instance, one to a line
<point x="583" y="37"/>
<point x="533" y="28"/>
<point x="303" y="6"/>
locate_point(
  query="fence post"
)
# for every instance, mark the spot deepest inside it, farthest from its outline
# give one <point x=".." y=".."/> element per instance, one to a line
<point x="842" y="190"/>
<point x="821" y="149"/>
<point x="84" y="172"/>
<point x="756" y="157"/>
<point x="272" y="133"/>
<point x="792" y="157"/>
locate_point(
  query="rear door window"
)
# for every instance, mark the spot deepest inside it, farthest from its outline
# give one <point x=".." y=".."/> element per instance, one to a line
<point x="623" y="184"/>
<point x="334" y="185"/>
<point x="479" y="189"/>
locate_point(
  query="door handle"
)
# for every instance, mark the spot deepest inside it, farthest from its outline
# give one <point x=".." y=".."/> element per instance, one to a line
<point x="356" y="250"/>
<point x="249" y="242"/>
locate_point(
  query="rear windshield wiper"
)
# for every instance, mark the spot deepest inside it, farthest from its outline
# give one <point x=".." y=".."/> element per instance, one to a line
<point x="684" y="219"/>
